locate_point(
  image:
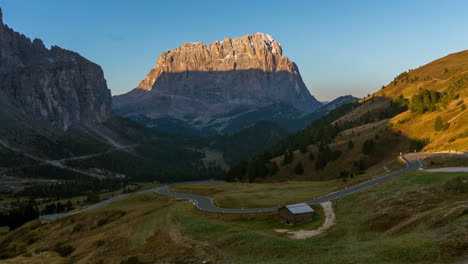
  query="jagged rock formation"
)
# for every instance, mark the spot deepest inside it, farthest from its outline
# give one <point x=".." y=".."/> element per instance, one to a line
<point x="56" y="85"/>
<point x="206" y="85"/>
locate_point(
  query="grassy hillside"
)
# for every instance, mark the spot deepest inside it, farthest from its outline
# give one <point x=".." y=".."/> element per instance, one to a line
<point x="422" y="109"/>
<point x="414" y="218"/>
<point x="445" y="75"/>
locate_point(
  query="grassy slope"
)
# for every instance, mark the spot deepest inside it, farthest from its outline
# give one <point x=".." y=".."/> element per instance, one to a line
<point x="414" y="218"/>
<point x="437" y="76"/>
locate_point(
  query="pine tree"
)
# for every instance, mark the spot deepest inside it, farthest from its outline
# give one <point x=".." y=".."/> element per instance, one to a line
<point x="350" y="144"/>
<point x="299" y="169"/>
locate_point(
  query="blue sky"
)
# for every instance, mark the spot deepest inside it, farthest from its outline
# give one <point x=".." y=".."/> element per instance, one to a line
<point x="341" y="47"/>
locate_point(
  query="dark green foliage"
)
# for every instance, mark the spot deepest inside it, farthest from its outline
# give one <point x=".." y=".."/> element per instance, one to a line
<point x="54" y="208"/>
<point x="344" y="174"/>
<point x="68" y="189"/>
<point x="303" y="149"/>
<point x="247" y="142"/>
<point x="311" y="156"/>
<point x="288" y="158"/>
<point x="417" y="144"/>
<point x="368" y="147"/>
<point x="439" y="124"/>
<point x="299" y="169"/>
<point x="359" y="166"/>
<point x="272" y="168"/>
<point x="238" y="172"/>
<point x="463" y="107"/>
<point x="25" y="212"/>
<point x="326" y="155"/>
<point x="131" y="260"/>
<point x="63" y="250"/>
<point x="424" y="101"/>
<point x="10" y="159"/>
<point x="92" y="197"/>
<point x="350" y="144"/>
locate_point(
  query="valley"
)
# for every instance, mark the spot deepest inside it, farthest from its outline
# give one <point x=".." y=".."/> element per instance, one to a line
<point x="223" y="153"/>
<point x="191" y="235"/>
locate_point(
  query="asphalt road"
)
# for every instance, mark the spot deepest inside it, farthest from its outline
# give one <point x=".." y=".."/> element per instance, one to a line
<point x="205" y="203"/>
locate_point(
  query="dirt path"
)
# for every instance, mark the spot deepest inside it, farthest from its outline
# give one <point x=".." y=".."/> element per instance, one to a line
<point x="330" y="219"/>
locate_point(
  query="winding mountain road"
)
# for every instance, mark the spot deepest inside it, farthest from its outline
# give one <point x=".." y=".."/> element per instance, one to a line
<point x="205" y="203"/>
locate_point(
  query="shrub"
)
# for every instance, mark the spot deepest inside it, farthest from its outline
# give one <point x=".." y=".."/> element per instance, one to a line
<point x="418" y="144"/>
<point x="368" y="146"/>
<point x="463" y="107"/>
<point x="350" y="144"/>
<point x="299" y="169"/>
<point x="131" y="260"/>
<point x="63" y="250"/>
<point x="102" y="222"/>
<point x="439" y="125"/>
<point x="288" y="158"/>
<point x="311" y="156"/>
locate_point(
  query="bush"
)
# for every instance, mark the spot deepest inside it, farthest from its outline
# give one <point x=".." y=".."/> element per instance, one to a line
<point x="463" y="107"/>
<point x="131" y="260"/>
<point x="439" y="125"/>
<point x="299" y="169"/>
<point x="63" y="250"/>
<point x="288" y="158"/>
<point x="368" y="146"/>
<point x="350" y="144"/>
<point x="418" y="144"/>
<point x="100" y="243"/>
<point x="311" y="156"/>
<point x="102" y="222"/>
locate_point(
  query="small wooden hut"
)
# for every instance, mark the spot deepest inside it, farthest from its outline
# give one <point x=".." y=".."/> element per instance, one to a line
<point x="295" y="214"/>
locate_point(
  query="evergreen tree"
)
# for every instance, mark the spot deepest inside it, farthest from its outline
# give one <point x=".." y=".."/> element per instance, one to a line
<point x="368" y="146"/>
<point x="299" y="169"/>
<point x="288" y="158"/>
<point x="350" y="144"/>
<point x="311" y="156"/>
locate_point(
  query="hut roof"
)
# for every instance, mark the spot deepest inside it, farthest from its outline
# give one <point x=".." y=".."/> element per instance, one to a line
<point x="300" y="208"/>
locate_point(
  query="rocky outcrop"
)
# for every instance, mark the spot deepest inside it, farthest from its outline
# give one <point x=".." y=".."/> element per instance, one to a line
<point x="205" y="85"/>
<point x="55" y="85"/>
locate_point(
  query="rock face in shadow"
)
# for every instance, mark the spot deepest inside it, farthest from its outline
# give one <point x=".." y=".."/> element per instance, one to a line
<point x="54" y="85"/>
<point x="204" y="86"/>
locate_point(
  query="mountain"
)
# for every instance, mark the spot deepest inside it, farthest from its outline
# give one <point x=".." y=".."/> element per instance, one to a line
<point x="420" y="110"/>
<point x="57" y="122"/>
<point x="55" y="85"/>
<point x="205" y="87"/>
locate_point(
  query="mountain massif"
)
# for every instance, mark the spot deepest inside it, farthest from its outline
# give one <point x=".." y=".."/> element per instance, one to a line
<point x="54" y="85"/>
<point x="212" y="88"/>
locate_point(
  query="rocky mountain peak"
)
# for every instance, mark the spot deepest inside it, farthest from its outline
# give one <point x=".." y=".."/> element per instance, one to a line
<point x="56" y="85"/>
<point x="210" y="86"/>
<point x="251" y="52"/>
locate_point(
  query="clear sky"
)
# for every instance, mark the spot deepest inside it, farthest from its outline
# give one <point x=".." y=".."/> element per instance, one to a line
<point x="341" y="47"/>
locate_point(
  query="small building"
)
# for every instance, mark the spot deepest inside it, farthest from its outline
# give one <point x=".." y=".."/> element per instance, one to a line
<point x="295" y="214"/>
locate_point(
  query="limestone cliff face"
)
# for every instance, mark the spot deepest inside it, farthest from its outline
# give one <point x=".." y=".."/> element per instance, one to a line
<point x="206" y="84"/>
<point x="55" y="85"/>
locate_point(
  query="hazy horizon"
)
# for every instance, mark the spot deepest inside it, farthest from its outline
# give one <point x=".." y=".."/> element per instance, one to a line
<point x="351" y="47"/>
